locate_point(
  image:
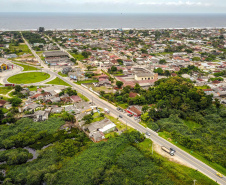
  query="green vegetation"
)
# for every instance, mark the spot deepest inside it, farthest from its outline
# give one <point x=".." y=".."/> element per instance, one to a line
<point x="26" y="67"/>
<point x="32" y="88"/>
<point x="83" y="97"/>
<point x="77" y="56"/>
<point x="63" y="75"/>
<point x="33" y="37"/>
<point x="78" y="161"/>
<point x="117" y="161"/>
<point x="49" y="161"/>
<point x="86" y="81"/>
<point x="5" y="90"/>
<point x="216" y="78"/>
<point x="58" y="81"/>
<point x="19" y="49"/>
<point x="26" y="132"/>
<point x="176" y="100"/>
<point x="15" y="156"/>
<point x="203" y="87"/>
<point x="68" y="91"/>
<point x="26" y="78"/>
<point x="222" y="73"/>
<point x="189" y="70"/>
<point x="15" y="101"/>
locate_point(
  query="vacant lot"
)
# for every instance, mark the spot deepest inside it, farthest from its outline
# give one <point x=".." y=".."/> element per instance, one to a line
<point x="5" y="90"/>
<point x="58" y="81"/>
<point x="26" y="78"/>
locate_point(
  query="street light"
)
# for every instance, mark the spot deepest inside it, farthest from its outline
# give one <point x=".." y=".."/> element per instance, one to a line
<point x="194" y="181"/>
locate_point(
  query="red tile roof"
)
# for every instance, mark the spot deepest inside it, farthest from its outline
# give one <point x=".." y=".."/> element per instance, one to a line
<point x="75" y="98"/>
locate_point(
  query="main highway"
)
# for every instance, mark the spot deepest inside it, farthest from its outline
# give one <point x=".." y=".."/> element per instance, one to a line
<point x="195" y="163"/>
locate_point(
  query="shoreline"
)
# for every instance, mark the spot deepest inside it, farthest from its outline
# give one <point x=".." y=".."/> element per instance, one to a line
<point x="87" y="29"/>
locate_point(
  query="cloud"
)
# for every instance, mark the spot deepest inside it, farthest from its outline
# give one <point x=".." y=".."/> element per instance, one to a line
<point x="176" y="3"/>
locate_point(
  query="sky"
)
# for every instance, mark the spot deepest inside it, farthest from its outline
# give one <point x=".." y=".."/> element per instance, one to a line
<point x="115" y="6"/>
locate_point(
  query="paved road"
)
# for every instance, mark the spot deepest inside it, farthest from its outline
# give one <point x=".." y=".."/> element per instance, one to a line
<point x="200" y="166"/>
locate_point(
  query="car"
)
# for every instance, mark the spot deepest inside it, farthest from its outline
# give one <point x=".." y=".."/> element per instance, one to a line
<point x="130" y="115"/>
<point x="148" y="134"/>
<point x="219" y="175"/>
<point x="172" y="149"/>
<point x="120" y="116"/>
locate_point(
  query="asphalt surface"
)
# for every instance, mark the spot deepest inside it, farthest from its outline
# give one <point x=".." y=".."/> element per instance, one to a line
<point x="197" y="164"/>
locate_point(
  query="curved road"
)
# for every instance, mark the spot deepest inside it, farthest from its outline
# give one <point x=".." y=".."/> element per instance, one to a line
<point x="197" y="164"/>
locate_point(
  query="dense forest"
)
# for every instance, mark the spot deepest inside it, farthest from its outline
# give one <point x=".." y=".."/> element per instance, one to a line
<point x="33" y="37"/>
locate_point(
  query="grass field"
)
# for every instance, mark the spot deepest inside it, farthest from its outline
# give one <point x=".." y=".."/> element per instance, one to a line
<point x="23" y="47"/>
<point x="77" y="56"/>
<point x="61" y="74"/>
<point x="58" y="81"/>
<point x="26" y="78"/>
<point x="5" y="90"/>
<point x="27" y="67"/>
<point x="86" y="81"/>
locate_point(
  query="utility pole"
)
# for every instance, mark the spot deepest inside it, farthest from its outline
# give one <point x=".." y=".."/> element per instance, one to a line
<point x="194" y="181"/>
<point x="152" y="147"/>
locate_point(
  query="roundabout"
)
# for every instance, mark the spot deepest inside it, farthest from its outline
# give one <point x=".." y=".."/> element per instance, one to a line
<point x="28" y="77"/>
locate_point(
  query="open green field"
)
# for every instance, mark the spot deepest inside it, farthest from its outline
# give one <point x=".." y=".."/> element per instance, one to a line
<point x="26" y="78"/>
<point x="58" y="81"/>
<point x="5" y="90"/>
<point x="77" y="56"/>
<point x="27" y="67"/>
<point x="21" y="49"/>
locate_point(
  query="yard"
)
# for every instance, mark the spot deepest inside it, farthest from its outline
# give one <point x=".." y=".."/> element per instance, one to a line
<point x="102" y="88"/>
<point x="26" y="78"/>
<point x="58" y="81"/>
<point x="5" y="90"/>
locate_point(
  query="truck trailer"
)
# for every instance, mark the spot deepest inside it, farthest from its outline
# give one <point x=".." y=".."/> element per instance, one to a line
<point x="169" y="151"/>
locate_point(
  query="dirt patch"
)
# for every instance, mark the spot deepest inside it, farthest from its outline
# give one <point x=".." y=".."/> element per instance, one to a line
<point x="175" y="158"/>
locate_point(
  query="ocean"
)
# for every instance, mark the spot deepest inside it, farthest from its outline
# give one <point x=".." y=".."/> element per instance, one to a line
<point x="59" y="21"/>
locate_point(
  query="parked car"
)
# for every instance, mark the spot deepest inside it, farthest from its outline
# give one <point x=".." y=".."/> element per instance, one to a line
<point x="130" y="115"/>
<point x="148" y="134"/>
<point x="120" y="116"/>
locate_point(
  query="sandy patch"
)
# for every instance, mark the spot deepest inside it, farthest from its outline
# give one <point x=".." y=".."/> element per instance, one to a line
<point x="175" y="158"/>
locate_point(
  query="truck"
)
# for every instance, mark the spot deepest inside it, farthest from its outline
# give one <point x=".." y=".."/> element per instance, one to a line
<point x="169" y="151"/>
<point x="106" y="110"/>
<point x="12" y="85"/>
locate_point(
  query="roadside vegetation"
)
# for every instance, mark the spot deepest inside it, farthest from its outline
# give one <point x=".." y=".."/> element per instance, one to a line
<point x="26" y="67"/>
<point x="63" y="75"/>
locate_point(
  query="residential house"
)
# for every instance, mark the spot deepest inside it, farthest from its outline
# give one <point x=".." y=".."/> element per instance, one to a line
<point x="134" y="110"/>
<point x="75" y="99"/>
<point x="41" y="115"/>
